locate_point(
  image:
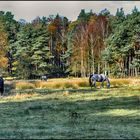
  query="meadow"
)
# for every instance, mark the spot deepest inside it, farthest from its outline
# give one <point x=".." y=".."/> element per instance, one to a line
<point x="68" y="109"/>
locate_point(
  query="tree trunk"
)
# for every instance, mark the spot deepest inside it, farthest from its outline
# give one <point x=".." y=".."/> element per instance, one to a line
<point x="98" y="67"/>
<point x="82" y="63"/>
<point x="92" y="62"/>
<point x="136" y="72"/>
<point x="129" y="69"/>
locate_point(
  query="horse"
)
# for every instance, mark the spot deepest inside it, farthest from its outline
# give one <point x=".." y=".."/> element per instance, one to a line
<point x="1" y="85"/>
<point x="93" y="78"/>
<point x="44" y="77"/>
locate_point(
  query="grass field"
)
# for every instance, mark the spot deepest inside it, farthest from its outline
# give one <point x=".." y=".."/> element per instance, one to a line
<point x="68" y="112"/>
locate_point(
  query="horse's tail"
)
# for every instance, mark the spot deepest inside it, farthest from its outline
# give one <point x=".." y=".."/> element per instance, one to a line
<point x="90" y="82"/>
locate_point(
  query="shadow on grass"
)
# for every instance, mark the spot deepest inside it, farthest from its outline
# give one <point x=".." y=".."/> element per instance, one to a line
<point x="91" y="115"/>
<point x="50" y="91"/>
<point x="98" y="104"/>
<point x="8" y="87"/>
<point x="10" y="90"/>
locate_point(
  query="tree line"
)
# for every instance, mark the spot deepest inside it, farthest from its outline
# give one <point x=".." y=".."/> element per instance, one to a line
<point x="58" y="47"/>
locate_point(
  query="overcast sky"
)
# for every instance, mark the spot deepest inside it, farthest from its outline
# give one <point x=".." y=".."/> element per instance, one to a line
<point x="28" y="10"/>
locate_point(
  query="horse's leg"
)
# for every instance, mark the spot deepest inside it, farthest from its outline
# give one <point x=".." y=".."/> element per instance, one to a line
<point x="102" y="84"/>
<point x="94" y="83"/>
<point x="91" y="85"/>
<point x="108" y="83"/>
<point x="1" y="91"/>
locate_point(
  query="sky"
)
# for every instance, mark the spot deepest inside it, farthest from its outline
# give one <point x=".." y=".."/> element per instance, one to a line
<point x="29" y="10"/>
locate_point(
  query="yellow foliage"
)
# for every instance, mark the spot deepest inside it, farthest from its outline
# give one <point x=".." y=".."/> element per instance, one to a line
<point x="51" y="28"/>
<point x="3" y="62"/>
<point x="15" y="63"/>
<point x="3" y="47"/>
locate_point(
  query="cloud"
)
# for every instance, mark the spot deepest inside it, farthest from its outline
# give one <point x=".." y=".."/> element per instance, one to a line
<point x="28" y="10"/>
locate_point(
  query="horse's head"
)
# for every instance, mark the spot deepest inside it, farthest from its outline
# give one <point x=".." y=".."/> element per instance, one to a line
<point x="108" y="83"/>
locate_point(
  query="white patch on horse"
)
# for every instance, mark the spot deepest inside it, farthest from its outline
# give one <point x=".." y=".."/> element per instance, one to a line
<point x="99" y="77"/>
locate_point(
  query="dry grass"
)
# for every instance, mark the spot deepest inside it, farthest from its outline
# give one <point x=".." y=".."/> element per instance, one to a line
<point x="21" y="96"/>
<point x="125" y="82"/>
<point x="72" y="83"/>
<point x="24" y="85"/>
<point x="59" y="83"/>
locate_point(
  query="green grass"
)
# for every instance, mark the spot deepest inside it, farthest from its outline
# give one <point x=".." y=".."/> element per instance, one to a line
<point x="71" y="113"/>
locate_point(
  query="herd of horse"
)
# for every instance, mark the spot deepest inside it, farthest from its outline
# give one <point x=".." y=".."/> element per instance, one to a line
<point x="93" y="78"/>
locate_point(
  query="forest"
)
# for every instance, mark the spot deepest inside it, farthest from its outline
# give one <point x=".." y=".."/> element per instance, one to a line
<point x="58" y="47"/>
<point x="65" y="105"/>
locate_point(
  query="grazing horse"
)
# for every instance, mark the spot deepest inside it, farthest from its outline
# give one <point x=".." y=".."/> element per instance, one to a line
<point x="1" y="85"/>
<point x="44" y="77"/>
<point x="98" y="78"/>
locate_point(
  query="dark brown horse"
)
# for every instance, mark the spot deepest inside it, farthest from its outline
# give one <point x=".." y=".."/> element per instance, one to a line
<point x="1" y="85"/>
